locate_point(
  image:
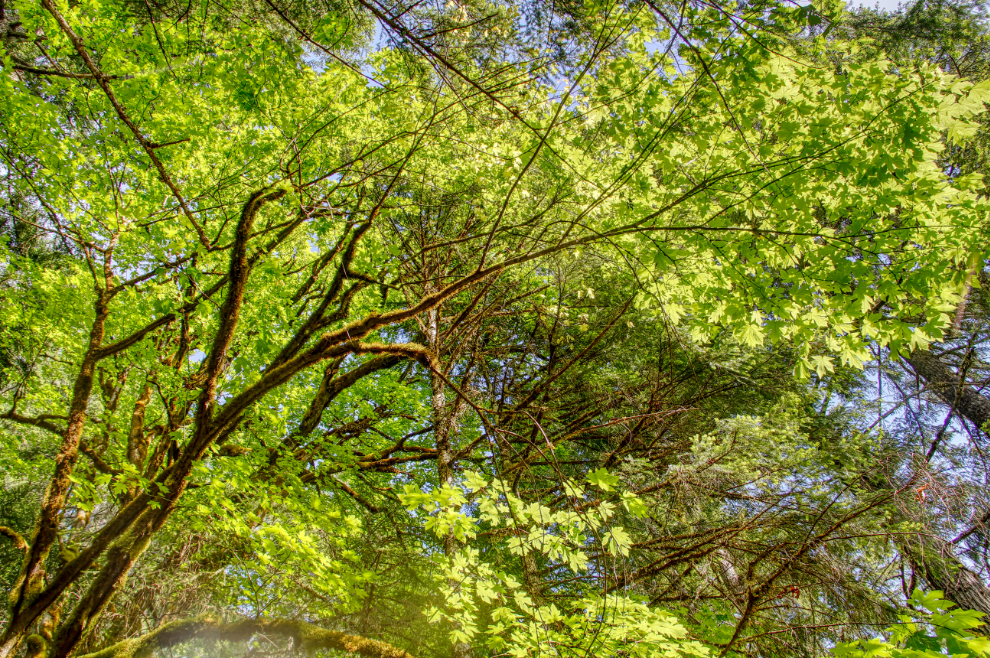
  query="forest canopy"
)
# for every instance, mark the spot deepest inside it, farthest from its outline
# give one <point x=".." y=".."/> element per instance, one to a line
<point x="431" y="328"/>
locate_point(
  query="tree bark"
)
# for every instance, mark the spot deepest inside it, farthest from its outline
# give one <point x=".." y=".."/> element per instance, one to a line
<point x="30" y="581"/>
<point x="947" y="385"/>
<point x="444" y="425"/>
<point x="933" y="558"/>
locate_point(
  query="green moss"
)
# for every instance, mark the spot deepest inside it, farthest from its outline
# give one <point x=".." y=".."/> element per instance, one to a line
<point x="36" y="646"/>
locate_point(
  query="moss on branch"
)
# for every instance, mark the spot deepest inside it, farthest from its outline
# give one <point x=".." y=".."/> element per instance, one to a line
<point x="19" y="542"/>
<point x="306" y="636"/>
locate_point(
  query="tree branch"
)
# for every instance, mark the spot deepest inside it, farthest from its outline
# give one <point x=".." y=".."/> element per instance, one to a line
<point x="36" y="422"/>
<point x="237" y="281"/>
<point x="19" y="541"/>
<point x="307" y="636"/>
<point x="331" y="386"/>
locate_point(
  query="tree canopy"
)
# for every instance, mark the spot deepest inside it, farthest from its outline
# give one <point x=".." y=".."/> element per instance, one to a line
<point x="482" y="327"/>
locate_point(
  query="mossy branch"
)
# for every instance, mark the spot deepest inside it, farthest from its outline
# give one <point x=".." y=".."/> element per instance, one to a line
<point x="14" y="536"/>
<point x="306" y="636"/>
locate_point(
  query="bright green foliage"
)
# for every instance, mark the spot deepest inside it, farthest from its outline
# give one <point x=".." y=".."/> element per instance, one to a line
<point x="302" y="258"/>
<point x="483" y="602"/>
<point x="933" y="630"/>
<point x="785" y="232"/>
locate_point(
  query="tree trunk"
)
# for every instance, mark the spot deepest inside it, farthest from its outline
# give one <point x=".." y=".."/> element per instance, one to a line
<point x="949" y="387"/>
<point x="444" y="425"/>
<point x="30" y="580"/>
<point x="933" y="560"/>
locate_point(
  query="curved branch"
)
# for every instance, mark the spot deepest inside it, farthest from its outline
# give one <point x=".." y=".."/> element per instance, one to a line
<point x="307" y="636"/>
<point x="36" y="422"/>
<point x="237" y="279"/>
<point x="331" y="386"/>
<point x="19" y="541"/>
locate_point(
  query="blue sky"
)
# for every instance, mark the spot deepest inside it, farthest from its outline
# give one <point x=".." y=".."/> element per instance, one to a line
<point x="889" y="5"/>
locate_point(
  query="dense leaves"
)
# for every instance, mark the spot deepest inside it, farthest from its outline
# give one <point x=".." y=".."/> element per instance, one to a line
<point x="475" y="328"/>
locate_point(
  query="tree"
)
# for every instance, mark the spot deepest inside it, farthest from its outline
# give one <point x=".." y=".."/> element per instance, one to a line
<point x="292" y="258"/>
<point x="953" y="36"/>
